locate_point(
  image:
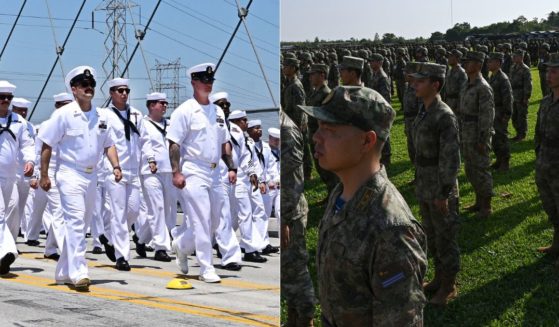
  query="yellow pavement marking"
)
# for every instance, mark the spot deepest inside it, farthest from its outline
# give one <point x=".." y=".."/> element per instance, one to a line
<point x="168" y="274"/>
<point x="151" y="301"/>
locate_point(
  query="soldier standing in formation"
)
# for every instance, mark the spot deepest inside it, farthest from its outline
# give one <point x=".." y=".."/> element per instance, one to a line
<point x="521" y="82"/>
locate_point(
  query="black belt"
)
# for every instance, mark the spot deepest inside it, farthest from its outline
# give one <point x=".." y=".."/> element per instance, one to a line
<point x="426" y="162"/>
<point x="470" y="118"/>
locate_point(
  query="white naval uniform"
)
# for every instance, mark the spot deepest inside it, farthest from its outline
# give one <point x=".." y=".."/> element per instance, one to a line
<point x="10" y="149"/>
<point x="46" y="209"/>
<point x="196" y="130"/>
<point x="272" y="196"/>
<point x="159" y="193"/>
<point x="101" y="220"/>
<point x="16" y="214"/>
<point x="81" y="137"/>
<point x="258" y="210"/>
<point x="241" y="208"/>
<point x="124" y="196"/>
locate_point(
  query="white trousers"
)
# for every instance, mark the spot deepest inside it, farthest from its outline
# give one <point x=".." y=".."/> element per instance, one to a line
<point x="160" y="196"/>
<point x="47" y="211"/>
<point x="272" y="202"/>
<point x="7" y="240"/>
<point x="124" y="200"/>
<point x="225" y="234"/>
<point x="12" y="211"/>
<point x="77" y="196"/>
<point x="199" y="197"/>
<point x="259" y="214"/>
<point x="241" y="210"/>
<point x="101" y="221"/>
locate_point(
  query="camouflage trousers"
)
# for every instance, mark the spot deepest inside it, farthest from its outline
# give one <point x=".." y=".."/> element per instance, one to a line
<point x="408" y="130"/>
<point x="296" y="284"/>
<point x="520" y="118"/>
<point x="547" y="181"/>
<point x="543" y="85"/>
<point x="400" y="88"/>
<point x="442" y="234"/>
<point x="454" y="103"/>
<point x="476" y="165"/>
<point x="386" y="154"/>
<point x="307" y="155"/>
<point x="500" y="141"/>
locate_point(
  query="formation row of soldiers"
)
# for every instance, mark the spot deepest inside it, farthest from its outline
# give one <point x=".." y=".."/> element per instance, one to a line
<point x="109" y="170"/>
<point x="450" y="115"/>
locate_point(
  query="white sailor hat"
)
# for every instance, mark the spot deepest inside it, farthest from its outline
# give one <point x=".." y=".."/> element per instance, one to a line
<point x="254" y="123"/>
<point x="7" y="87"/>
<point x="155" y="96"/>
<point x="237" y="114"/>
<point x="117" y="82"/>
<point x="21" y="103"/>
<point x="203" y="72"/>
<point x="218" y="96"/>
<point x="61" y="97"/>
<point x="274" y="132"/>
<point x="79" y="73"/>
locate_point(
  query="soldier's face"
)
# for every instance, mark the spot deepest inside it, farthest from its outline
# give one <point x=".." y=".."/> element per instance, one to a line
<point x="316" y="79"/>
<point x="424" y="87"/>
<point x="338" y="148"/>
<point x="5" y="100"/>
<point x="552" y="77"/>
<point x="493" y="64"/>
<point x="274" y="142"/>
<point x="517" y="59"/>
<point x="452" y="60"/>
<point x="255" y="132"/>
<point x="21" y="111"/>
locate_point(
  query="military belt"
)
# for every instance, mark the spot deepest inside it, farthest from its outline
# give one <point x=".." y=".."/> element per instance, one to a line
<point x="426" y="162"/>
<point x="470" y="118"/>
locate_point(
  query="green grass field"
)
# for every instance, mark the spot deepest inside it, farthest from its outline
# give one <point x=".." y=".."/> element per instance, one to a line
<point x="504" y="281"/>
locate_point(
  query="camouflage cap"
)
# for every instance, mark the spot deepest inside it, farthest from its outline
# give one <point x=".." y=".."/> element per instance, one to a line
<point x="352" y="105"/>
<point x="290" y="55"/>
<point x="518" y="52"/>
<point x="352" y="63"/>
<point x="553" y="60"/>
<point x="319" y="68"/>
<point x="475" y="56"/>
<point x="454" y="52"/>
<point x="305" y="56"/>
<point x="427" y="69"/>
<point x="291" y="62"/>
<point x="545" y="46"/>
<point x="422" y="50"/>
<point x="441" y="51"/>
<point x="497" y="55"/>
<point x="464" y="50"/>
<point x="333" y="56"/>
<point x="411" y="67"/>
<point x="400" y="51"/>
<point x="482" y="48"/>
<point x="507" y="46"/>
<point x="346" y="52"/>
<point x="523" y="45"/>
<point x="376" y="57"/>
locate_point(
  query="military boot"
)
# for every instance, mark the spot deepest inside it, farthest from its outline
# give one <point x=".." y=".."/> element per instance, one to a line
<point x="474" y="207"/>
<point x="305" y="322"/>
<point x="504" y="167"/>
<point x="496" y="164"/>
<point x="447" y="292"/>
<point x="484" y="207"/>
<point x="433" y="285"/>
<point x="553" y="249"/>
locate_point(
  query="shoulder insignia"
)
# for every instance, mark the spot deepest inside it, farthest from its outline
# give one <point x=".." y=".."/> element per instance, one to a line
<point x="365" y="199"/>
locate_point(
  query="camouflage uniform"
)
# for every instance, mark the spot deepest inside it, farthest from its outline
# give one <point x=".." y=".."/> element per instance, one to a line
<point x="455" y="80"/>
<point x="296" y="284"/>
<point x="381" y="83"/>
<point x="502" y="94"/>
<point x="544" y="57"/>
<point x="398" y="74"/>
<point x="546" y="140"/>
<point x="437" y="163"/>
<point x="333" y="73"/>
<point x="376" y="281"/>
<point x="410" y="109"/>
<point x="305" y="71"/>
<point x="315" y="99"/>
<point x="477" y="111"/>
<point x="521" y="82"/>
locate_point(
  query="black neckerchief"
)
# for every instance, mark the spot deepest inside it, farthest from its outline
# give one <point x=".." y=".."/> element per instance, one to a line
<point x="275" y="154"/>
<point x="7" y="127"/>
<point x="126" y="122"/>
<point x="259" y="154"/>
<point x="248" y="148"/>
<point x="161" y="130"/>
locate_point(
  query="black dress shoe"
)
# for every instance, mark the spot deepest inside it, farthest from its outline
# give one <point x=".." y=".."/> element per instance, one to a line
<point x="161" y="255"/>
<point x="109" y="249"/>
<point x="54" y="256"/>
<point x="216" y="248"/>
<point x="6" y="262"/>
<point x="149" y="249"/>
<point x="140" y="247"/>
<point x="122" y="264"/>
<point x="33" y="242"/>
<point x="232" y="266"/>
<point x="97" y="250"/>
<point x="254" y="257"/>
<point x="270" y="249"/>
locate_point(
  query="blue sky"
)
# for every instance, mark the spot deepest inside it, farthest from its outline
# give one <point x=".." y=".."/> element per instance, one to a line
<point x="332" y="19"/>
<point x="195" y="31"/>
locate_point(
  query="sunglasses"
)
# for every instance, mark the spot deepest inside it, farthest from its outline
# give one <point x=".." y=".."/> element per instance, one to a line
<point x="164" y="103"/>
<point x="4" y="97"/>
<point x="122" y="90"/>
<point x="205" y="80"/>
<point x="224" y="105"/>
<point x="86" y="83"/>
